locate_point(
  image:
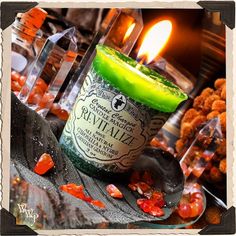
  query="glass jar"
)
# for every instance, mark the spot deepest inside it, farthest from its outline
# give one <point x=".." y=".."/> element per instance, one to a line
<point x="25" y="33"/>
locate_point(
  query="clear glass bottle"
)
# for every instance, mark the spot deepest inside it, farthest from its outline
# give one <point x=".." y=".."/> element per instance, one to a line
<point x="24" y="32"/>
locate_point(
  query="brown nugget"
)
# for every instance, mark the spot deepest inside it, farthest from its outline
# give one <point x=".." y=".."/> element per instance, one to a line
<point x="207" y="92"/>
<point x="221" y="150"/>
<point x="198" y="120"/>
<point x="189" y="115"/>
<point x="179" y="145"/>
<point x="209" y="101"/>
<point x="212" y="115"/>
<point x="223" y="92"/>
<point x="186" y="130"/>
<point x="222" y="166"/>
<point x="219" y="105"/>
<point x="219" y="83"/>
<point x="198" y="103"/>
<point x="222" y="117"/>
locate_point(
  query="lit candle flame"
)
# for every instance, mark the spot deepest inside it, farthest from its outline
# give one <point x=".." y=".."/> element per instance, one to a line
<point x="128" y="32"/>
<point x="154" y="41"/>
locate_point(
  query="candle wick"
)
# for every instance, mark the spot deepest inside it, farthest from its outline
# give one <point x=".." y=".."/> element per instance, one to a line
<point x="143" y="59"/>
<point x="141" y="62"/>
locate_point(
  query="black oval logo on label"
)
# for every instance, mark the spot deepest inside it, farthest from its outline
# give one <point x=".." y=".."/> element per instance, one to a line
<point x="118" y="103"/>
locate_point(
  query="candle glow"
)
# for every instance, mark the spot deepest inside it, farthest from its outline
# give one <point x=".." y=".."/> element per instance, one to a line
<point x="155" y="40"/>
<point x="128" y="32"/>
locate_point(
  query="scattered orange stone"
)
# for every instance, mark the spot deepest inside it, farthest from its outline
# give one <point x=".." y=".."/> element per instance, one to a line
<point x="192" y="206"/>
<point x="98" y="203"/>
<point x="156" y="211"/>
<point x="46" y="100"/>
<point x="15" y="76"/>
<point x="132" y="187"/>
<point x="22" y="80"/>
<point x="78" y="192"/>
<point x="42" y="84"/>
<point x="154" y="200"/>
<point x="114" y="191"/>
<point x="55" y="108"/>
<point x="15" y="86"/>
<point x="63" y="114"/>
<point x="142" y="187"/>
<point x="156" y="195"/>
<point x="34" y="98"/>
<point x="44" y="164"/>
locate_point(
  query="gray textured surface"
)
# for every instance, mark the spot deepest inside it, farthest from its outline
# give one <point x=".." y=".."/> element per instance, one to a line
<point x="31" y="136"/>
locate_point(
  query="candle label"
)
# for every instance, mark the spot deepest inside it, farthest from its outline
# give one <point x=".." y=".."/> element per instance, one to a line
<point x="109" y="129"/>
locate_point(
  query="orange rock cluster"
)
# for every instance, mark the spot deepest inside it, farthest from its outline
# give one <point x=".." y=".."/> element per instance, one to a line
<point x="209" y="104"/>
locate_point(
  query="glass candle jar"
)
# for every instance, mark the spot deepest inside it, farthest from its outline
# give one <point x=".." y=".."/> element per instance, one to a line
<point x="121" y="106"/>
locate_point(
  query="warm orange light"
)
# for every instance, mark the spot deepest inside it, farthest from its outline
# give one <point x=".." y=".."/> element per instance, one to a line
<point x="128" y="32"/>
<point x="155" y="40"/>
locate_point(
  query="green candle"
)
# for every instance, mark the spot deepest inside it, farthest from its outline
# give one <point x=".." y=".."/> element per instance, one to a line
<point x="121" y="106"/>
<point x="137" y="81"/>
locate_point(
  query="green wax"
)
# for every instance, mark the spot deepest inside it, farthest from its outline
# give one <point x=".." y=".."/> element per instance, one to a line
<point x="137" y="81"/>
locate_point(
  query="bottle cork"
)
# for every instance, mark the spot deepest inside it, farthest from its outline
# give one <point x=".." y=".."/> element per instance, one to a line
<point x="34" y="18"/>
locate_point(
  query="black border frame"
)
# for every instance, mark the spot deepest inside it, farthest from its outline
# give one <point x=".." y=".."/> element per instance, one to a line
<point x="227" y="10"/>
